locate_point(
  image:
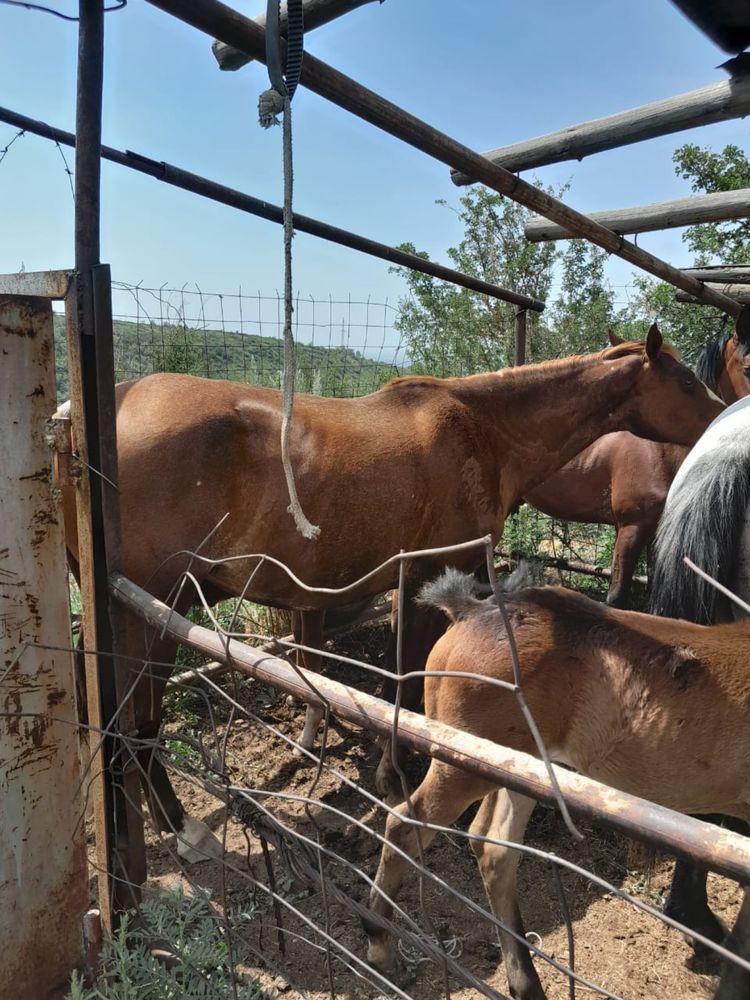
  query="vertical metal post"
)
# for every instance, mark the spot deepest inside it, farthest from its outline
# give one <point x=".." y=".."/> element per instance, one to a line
<point x="520" y="337"/>
<point x="119" y="824"/>
<point x="43" y="867"/>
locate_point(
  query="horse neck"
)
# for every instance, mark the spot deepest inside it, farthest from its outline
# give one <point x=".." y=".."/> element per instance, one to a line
<point x="543" y="415"/>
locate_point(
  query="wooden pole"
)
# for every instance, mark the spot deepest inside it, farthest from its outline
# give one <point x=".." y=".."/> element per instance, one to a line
<point x="43" y="866"/>
<point x="740" y="294"/>
<point x="739" y="273"/>
<point x="265" y="210"/>
<point x="316" y="13"/>
<point x="119" y="830"/>
<point x="714" y="103"/>
<point x="717" y="207"/>
<point x="519" y="337"/>
<point x="221" y="21"/>
<point x="702" y="843"/>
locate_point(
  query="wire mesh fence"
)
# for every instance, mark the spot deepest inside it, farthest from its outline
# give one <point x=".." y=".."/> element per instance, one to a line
<point x="279" y="911"/>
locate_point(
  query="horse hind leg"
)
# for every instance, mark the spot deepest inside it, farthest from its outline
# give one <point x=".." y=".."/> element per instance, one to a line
<point x="195" y="841"/>
<point x="443" y="796"/>
<point x="503" y="816"/>
<point x="308" y="631"/>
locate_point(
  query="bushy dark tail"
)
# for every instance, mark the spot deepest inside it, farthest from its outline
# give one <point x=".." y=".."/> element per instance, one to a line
<point x="703" y="520"/>
<point x="455" y="592"/>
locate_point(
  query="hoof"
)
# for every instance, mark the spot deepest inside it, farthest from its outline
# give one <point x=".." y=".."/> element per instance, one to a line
<point x="196" y="843"/>
<point x="381" y="955"/>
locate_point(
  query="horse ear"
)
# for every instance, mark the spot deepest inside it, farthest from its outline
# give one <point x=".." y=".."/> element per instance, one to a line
<point x="614" y="339"/>
<point x="654" y="340"/>
<point x="742" y="326"/>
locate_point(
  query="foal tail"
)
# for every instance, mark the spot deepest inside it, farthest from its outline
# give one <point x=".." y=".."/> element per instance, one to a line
<point x="703" y="519"/>
<point x="455" y="592"/>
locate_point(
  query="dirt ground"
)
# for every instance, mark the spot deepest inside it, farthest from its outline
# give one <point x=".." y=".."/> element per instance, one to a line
<point x="629" y="953"/>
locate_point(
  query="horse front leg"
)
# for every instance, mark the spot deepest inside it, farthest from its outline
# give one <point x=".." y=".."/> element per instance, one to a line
<point x="630" y="542"/>
<point x="503" y="816"/>
<point x="688" y="902"/>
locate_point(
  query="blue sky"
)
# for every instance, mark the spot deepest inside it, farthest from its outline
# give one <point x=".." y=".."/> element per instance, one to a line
<point x="485" y="71"/>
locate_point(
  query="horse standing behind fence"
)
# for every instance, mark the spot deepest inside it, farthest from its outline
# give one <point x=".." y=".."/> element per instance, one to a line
<point x="707" y="518"/>
<point x="655" y="707"/>
<point x="421" y="463"/>
<point x="623" y="480"/>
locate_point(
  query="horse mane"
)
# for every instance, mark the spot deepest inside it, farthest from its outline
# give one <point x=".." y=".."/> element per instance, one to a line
<point x="710" y="363"/>
<point x="626" y="349"/>
<point x="630" y="347"/>
<point x="703" y="519"/>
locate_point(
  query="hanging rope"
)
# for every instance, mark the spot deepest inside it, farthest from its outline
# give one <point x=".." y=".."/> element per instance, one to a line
<point x="278" y="100"/>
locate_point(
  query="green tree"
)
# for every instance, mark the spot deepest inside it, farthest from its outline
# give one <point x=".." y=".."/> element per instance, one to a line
<point x="453" y="331"/>
<point x="691" y="327"/>
<point x="708" y="172"/>
<point x="175" y="351"/>
<point x="584" y="310"/>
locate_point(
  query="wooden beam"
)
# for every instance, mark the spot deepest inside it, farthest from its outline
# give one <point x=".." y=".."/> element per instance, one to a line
<point x="691" y="211"/>
<point x="714" y="103"/>
<point x="216" y="19"/>
<point x="316" y="13"/>
<point x="738" y="274"/>
<point x="740" y="294"/>
<point x="702" y="843"/>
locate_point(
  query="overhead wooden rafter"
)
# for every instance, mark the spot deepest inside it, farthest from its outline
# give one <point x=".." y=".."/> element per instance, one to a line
<point x="718" y="207"/>
<point x="714" y="103"/>
<point x="221" y="21"/>
<point x="316" y="13"/>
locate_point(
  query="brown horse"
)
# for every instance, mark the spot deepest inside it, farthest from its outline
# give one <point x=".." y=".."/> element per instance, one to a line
<point x="623" y="480"/>
<point x="655" y="707"/>
<point x="421" y="463"/>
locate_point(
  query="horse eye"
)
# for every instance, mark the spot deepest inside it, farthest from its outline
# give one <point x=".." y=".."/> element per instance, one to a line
<point x="688" y="384"/>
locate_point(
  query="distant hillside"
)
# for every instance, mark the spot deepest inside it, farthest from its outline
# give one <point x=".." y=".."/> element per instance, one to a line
<point x="141" y="349"/>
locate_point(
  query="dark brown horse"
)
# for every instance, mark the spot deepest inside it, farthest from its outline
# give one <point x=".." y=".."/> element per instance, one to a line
<point x="655" y="707"/>
<point x="421" y="463"/>
<point x="623" y="480"/>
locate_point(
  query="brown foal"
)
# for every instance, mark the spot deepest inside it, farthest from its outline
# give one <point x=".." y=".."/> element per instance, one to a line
<point x="655" y="707"/>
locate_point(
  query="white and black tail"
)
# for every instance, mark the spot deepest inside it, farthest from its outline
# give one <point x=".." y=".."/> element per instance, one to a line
<point x="456" y="593"/>
<point x="704" y="519"/>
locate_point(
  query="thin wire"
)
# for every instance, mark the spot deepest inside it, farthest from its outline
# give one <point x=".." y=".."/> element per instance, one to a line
<point x="57" y="13"/>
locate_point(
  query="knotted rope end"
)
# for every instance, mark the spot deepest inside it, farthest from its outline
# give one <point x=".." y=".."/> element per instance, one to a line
<point x="270" y="104"/>
<point x="305" y="528"/>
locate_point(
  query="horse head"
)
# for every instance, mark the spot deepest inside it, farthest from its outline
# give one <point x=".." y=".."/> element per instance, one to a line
<point x="668" y="402"/>
<point x="734" y="380"/>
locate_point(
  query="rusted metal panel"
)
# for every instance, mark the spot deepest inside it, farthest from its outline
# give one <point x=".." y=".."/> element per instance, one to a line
<point x="43" y="877"/>
<point x="44" y="284"/>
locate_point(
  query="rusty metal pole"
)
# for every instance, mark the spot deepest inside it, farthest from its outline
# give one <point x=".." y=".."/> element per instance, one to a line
<point x="43" y="868"/>
<point x="120" y="847"/>
<point x="520" y="337"/>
